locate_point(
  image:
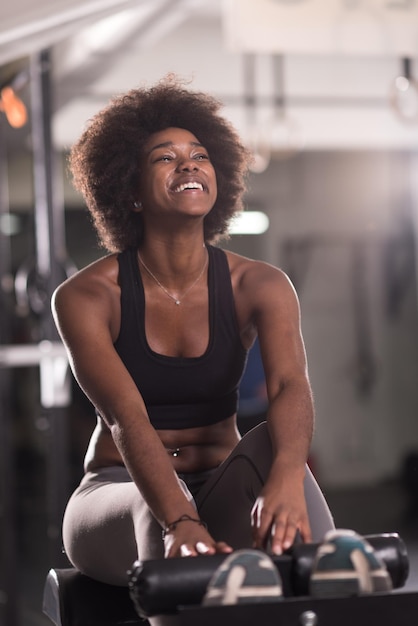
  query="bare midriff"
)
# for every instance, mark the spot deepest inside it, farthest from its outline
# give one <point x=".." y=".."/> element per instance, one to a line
<point x="190" y="449"/>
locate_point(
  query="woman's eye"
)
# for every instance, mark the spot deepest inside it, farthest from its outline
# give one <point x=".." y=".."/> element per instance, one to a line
<point x="165" y="157"/>
<point x="201" y="157"/>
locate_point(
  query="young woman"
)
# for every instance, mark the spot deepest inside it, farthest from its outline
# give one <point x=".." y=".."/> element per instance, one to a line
<point x="158" y="332"/>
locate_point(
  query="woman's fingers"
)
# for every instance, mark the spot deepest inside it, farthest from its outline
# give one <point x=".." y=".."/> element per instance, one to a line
<point x="283" y="532"/>
<point x="222" y="548"/>
<point x="201" y="548"/>
<point x="305" y="530"/>
<point x="186" y="550"/>
<point x="278" y="528"/>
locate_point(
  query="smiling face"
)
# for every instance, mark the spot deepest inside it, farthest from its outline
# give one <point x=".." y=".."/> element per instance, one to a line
<point x="177" y="176"/>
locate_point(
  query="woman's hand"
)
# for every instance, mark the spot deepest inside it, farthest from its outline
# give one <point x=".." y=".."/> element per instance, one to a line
<point x="189" y="538"/>
<point x="279" y="513"/>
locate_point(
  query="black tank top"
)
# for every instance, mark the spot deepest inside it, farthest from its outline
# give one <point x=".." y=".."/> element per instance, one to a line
<point x="183" y="392"/>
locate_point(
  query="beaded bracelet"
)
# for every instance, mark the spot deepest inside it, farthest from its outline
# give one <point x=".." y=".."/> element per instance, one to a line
<point x="183" y="518"/>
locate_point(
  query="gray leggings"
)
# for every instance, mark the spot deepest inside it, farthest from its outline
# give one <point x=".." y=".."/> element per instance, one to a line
<point x="107" y="524"/>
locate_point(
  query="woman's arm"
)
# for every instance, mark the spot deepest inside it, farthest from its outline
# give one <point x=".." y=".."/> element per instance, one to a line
<point x="85" y="308"/>
<point x="280" y="511"/>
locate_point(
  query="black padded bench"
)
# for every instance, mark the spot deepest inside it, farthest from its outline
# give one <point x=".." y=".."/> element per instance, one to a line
<point x="172" y="586"/>
<point x="72" y="599"/>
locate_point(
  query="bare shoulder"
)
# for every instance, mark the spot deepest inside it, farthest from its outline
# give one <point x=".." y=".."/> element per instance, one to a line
<point x="259" y="280"/>
<point x="99" y="276"/>
<point x="93" y="288"/>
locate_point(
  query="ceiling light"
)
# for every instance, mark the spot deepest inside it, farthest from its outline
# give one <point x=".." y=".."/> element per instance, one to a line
<point x="13" y="107"/>
<point x="249" y="223"/>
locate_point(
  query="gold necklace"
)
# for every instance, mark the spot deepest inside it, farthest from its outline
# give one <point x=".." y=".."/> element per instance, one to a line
<point x="177" y="301"/>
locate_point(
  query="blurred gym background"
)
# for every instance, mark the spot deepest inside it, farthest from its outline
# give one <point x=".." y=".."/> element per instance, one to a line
<point x="325" y="93"/>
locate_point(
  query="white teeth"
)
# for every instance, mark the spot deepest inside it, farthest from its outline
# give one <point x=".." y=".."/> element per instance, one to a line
<point x="191" y="185"/>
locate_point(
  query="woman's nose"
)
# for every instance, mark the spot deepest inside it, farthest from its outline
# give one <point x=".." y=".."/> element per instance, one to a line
<point x="188" y="165"/>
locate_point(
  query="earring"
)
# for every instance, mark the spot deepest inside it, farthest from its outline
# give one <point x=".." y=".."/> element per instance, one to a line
<point x="138" y="205"/>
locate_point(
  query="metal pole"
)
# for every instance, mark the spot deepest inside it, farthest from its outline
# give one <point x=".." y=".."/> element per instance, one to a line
<point x="49" y="241"/>
<point x="8" y="579"/>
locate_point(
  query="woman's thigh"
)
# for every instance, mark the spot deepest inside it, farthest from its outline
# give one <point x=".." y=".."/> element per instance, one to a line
<point x="107" y="526"/>
<point x="226" y="499"/>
